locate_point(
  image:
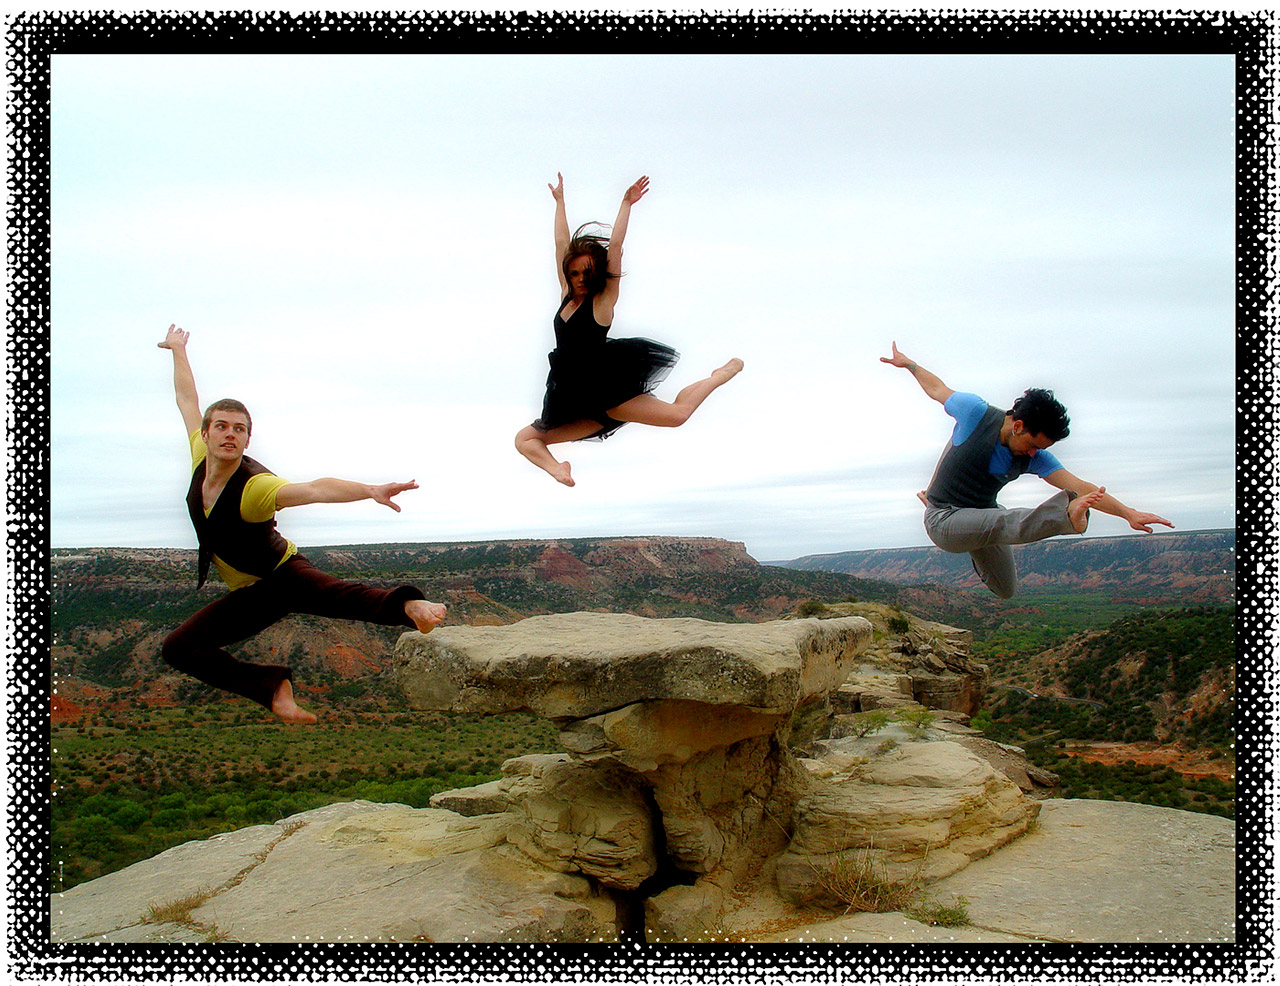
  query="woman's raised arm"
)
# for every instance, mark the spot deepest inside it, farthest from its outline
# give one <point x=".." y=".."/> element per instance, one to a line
<point x="616" y="237"/>
<point x="629" y="198"/>
<point x="561" y="230"/>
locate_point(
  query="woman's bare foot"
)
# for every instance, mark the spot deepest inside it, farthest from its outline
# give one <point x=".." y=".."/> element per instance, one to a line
<point x="1078" y="509"/>
<point x="923" y="497"/>
<point x="283" y="705"/>
<point x="561" y="474"/>
<point x="532" y="444"/>
<point x="728" y="371"/>
<point x="426" y="615"/>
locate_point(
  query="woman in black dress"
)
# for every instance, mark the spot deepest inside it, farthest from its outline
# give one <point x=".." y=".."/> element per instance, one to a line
<point x="597" y="384"/>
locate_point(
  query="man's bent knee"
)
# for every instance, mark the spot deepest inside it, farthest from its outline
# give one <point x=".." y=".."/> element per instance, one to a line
<point x="1002" y="590"/>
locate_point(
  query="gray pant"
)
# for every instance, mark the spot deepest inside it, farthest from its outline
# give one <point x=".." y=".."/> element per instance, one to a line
<point x="987" y="533"/>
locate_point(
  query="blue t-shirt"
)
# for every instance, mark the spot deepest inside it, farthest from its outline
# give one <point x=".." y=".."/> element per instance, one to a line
<point x="968" y="410"/>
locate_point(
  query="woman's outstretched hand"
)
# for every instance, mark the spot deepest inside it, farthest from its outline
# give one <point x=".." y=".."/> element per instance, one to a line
<point x="175" y="338"/>
<point x="557" y="190"/>
<point x="636" y="192"/>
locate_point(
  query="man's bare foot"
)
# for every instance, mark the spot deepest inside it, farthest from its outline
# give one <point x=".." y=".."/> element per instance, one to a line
<point x="283" y="705"/>
<point x="560" y="473"/>
<point x="1078" y="509"/>
<point x="426" y="615"/>
<point x="923" y="497"/>
<point x="728" y="371"/>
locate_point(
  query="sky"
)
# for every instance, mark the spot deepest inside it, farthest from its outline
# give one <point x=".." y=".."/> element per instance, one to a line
<point x="361" y="248"/>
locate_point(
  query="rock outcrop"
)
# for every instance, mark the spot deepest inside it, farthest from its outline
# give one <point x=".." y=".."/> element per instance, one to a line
<point x="677" y="765"/>
<point x="678" y="804"/>
<point x="918" y="812"/>
<point x="348" y="872"/>
<point x="1092" y="871"/>
<point x="909" y="662"/>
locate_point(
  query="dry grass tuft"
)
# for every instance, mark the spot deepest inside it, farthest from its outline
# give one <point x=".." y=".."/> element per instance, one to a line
<point x="860" y="883"/>
<point x="176" y="911"/>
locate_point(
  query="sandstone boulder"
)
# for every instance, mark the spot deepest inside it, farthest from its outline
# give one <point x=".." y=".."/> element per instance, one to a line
<point x="579" y="665"/>
<point x="917" y="812"/>
<point x="483" y="799"/>
<point x="684" y="913"/>
<point x="590" y="818"/>
<point x="677" y="731"/>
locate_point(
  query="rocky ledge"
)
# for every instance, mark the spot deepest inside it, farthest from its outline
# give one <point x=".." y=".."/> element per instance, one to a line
<point x="678" y="810"/>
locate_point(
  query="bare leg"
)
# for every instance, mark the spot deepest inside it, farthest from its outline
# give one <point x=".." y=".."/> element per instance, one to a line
<point x="283" y="705"/>
<point x="532" y="444"/>
<point x="426" y="615"/>
<point x="1078" y="509"/>
<point x="648" y="410"/>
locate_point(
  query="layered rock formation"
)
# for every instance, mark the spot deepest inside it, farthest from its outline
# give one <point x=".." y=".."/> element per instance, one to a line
<point x="676" y="731"/>
<point x="679" y="786"/>
<point x="677" y="803"/>
<point x="909" y="661"/>
<point x="914" y="665"/>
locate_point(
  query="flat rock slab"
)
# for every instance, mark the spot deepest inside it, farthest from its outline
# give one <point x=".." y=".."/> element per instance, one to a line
<point x="1108" y="871"/>
<point x="111" y="908"/>
<point x="1093" y="871"/>
<point x="351" y="872"/>
<point x="397" y="874"/>
<point x="576" y="665"/>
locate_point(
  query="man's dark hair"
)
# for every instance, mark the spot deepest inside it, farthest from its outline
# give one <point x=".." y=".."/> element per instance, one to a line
<point x="1042" y="414"/>
<point x="226" y="404"/>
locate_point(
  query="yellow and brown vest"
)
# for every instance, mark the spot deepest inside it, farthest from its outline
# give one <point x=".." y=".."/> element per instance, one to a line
<point x="255" y="549"/>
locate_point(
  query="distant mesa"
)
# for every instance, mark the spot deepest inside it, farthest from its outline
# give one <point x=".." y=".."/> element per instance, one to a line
<point x="1194" y="567"/>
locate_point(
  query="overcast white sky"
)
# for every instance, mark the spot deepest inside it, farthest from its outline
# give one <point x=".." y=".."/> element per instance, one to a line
<point x="361" y="249"/>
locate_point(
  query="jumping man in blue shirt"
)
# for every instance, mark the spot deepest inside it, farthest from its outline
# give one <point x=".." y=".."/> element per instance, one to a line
<point x="988" y="449"/>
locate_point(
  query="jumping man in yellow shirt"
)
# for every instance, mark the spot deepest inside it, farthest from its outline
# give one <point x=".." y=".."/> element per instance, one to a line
<point x="232" y="501"/>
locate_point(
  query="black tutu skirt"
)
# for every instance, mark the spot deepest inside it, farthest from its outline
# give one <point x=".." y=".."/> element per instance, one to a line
<point x="584" y="384"/>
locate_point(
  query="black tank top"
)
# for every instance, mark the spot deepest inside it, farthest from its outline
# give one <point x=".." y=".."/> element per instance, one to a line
<point x="963" y="476"/>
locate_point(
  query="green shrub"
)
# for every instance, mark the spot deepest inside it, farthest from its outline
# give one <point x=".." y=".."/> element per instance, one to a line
<point x="917" y="720"/>
<point x="129" y="815"/>
<point x="865" y="723"/>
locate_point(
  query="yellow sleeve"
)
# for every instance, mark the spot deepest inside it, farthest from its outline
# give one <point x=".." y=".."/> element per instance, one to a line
<point x="258" y="502"/>
<point x="198" y="450"/>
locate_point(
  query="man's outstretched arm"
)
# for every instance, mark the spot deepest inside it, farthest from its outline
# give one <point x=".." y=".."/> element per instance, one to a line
<point x="184" y="381"/>
<point x="1139" y="520"/>
<point x="330" y="490"/>
<point x="928" y="382"/>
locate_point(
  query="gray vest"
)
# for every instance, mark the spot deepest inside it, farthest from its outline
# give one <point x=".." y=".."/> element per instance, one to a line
<point x="963" y="475"/>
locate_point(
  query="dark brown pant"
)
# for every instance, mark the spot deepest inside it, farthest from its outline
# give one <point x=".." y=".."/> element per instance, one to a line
<point x="297" y="586"/>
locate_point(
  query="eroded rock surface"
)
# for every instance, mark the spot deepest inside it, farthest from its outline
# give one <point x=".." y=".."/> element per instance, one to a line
<point x="910" y="661"/>
<point x="676" y="731"/>
<point x="918" y="812"/>
<point x="678" y="804"/>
